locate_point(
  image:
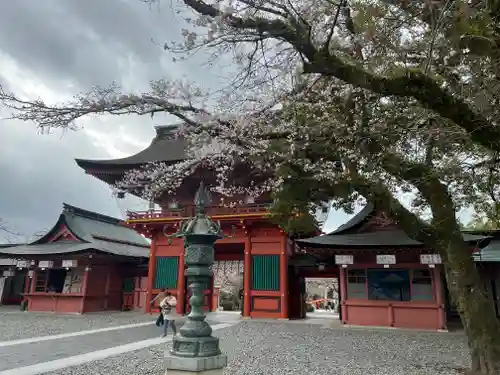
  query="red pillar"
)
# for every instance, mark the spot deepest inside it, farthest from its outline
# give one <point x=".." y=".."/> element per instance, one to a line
<point x="27" y="283"/>
<point x="151" y="274"/>
<point x="33" y="281"/>
<point x="84" y="288"/>
<point x="284" y="278"/>
<point x="247" y="276"/>
<point x="343" y="293"/>
<point x="181" y="285"/>
<point x="438" y="285"/>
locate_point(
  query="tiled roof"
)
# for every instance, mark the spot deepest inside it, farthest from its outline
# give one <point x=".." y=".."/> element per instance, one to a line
<point x="356" y="220"/>
<point x="164" y="147"/>
<point x="376" y="239"/>
<point x="94" y="232"/>
<point x="489" y="253"/>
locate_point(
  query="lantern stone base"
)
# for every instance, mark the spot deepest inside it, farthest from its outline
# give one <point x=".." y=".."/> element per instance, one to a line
<point x="195" y="366"/>
<point x="181" y="372"/>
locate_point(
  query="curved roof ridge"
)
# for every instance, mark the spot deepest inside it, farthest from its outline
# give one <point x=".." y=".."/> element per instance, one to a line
<point x="73" y="210"/>
<point x="356" y="220"/>
<point x="164" y="147"/>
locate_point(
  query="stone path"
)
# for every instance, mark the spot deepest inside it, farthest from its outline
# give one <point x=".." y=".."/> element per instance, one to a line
<point x="253" y="347"/>
<point x="93" y="336"/>
<point x="33" y="353"/>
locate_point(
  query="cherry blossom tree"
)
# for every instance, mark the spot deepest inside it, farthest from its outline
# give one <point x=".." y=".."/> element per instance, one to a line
<point x="359" y="100"/>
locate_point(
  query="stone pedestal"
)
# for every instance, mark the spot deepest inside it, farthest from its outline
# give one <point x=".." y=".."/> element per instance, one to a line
<point x="196" y="366"/>
<point x="194" y="350"/>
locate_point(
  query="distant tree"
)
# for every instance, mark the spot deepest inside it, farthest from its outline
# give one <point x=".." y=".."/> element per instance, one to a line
<point x="7" y="233"/>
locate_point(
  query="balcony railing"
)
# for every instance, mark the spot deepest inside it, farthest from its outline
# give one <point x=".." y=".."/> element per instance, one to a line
<point x="189" y="211"/>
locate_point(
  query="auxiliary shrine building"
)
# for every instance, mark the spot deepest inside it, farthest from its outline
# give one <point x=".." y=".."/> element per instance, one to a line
<point x="86" y="262"/>
<point x="385" y="278"/>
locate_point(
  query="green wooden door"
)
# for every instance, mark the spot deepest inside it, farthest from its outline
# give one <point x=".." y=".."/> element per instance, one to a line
<point x="167" y="271"/>
<point x="266" y="272"/>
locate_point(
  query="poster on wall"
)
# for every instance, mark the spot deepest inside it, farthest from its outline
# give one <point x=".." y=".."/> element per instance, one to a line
<point x="22" y="264"/>
<point x="430" y="259"/>
<point x="9" y="273"/>
<point x="344" y="259"/>
<point x="386" y="259"/>
<point x="69" y="263"/>
<point x="46" y="264"/>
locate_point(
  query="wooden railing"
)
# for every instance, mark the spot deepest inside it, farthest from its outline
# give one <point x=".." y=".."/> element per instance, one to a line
<point x="189" y="211"/>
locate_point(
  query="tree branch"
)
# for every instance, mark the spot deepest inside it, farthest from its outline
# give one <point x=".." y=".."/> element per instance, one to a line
<point x="412" y="83"/>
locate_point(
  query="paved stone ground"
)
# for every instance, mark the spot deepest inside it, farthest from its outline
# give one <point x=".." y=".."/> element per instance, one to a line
<point x="27" y="354"/>
<point x="263" y="348"/>
<point x="15" y="324"/>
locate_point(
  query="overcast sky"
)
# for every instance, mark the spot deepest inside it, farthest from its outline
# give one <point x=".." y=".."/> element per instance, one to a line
<point x="55" y="49"/>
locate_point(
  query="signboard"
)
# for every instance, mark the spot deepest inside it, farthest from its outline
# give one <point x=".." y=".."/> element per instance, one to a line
<point x="430" y="259"/>
<point x="69" y="263"/>
<point x="7" y="262"/>
<point x="344" y="259"/>
<point x="45" y="264"/>
<point x="22" y="264"/>
<point x="386" y="259"/>
<point x="8" y="273"/>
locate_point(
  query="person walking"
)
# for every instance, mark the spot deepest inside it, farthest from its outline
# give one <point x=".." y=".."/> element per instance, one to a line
<point x="168" y="308"/>
<point x="160" y="297"/>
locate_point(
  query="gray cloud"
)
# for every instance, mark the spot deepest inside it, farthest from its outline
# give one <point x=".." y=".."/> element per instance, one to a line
<point x="38" y="174"/>
<point x="70" y="46"/>
<point x="87" y="42"/>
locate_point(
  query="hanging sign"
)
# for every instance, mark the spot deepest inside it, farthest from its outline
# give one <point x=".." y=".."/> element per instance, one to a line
<point x="386" y="259"/>
<point x="344" y="259"/>
<point x="46" y="264"/>
<point x="7" y="262"/>
<point x="8" y="273"/>
<point x="22" y="264"/>
<point x="69" y="263"/>
<point x="430" y="259"/>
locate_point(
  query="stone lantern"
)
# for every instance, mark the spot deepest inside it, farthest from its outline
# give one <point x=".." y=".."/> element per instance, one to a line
<point x="194" y="349"/>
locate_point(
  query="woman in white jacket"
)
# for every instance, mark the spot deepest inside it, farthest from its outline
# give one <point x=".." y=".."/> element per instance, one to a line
<point x="168" y="308"/>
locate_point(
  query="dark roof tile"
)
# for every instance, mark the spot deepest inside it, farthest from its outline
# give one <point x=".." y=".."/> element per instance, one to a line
<point x="164" y="147"/>
<point x="94" y="232"/>
<point x="372" y="239"/>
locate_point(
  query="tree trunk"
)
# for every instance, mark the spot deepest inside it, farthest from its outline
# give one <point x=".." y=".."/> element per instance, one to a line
<point x="473" y="304"/>
<point x="462" y="276"/>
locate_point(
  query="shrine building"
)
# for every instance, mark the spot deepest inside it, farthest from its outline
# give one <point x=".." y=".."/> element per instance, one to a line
<point x="87" y="262"/>
<point x="258" y="253"/>
<point x="385" y="277"/>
